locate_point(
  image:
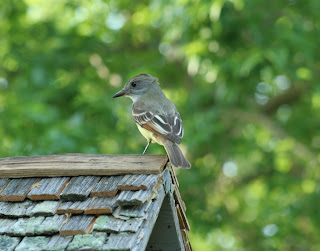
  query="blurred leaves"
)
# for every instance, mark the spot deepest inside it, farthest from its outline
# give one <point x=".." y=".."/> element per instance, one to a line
<point x="243" y="74"/>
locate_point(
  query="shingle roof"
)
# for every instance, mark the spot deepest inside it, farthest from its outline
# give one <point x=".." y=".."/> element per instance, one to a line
<point x="87" y="212"/>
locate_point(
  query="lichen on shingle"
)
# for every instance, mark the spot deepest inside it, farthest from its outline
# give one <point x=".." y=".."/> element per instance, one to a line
<point x="47" y="208"/>
<point x="8" y="243"/>
<point x="32" y="243"/>
<point x="92" y="241"/>
<point x="51" y="225"/>
<point x="25" y="226"/>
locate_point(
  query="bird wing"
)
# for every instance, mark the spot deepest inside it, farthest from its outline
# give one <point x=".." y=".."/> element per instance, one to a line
<point x="170" y="127"/>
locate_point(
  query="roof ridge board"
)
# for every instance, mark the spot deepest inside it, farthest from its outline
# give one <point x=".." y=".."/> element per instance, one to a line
<point x="81" y="158"/>
<point x="135" y="164"/>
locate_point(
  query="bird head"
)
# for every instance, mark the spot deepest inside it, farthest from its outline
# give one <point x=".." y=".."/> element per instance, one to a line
<point x="137" y="86"/>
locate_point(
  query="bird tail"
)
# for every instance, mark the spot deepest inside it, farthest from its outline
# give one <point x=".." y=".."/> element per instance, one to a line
<point x="176" y="157"/>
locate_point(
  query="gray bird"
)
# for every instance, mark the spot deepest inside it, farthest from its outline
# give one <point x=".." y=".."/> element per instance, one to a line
<point x="156" y="116"/>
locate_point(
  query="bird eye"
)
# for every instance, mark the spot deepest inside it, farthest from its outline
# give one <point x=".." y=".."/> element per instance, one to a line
<point x="133" y="84"/>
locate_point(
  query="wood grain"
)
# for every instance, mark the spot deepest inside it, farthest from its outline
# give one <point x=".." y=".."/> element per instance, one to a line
<point x="80" y="164"/>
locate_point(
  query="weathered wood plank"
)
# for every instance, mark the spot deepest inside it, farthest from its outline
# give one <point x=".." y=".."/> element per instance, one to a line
<point x="107" y="186"/>
<point x="173" y="175"/>
<point x="79" y="188"/>
<point x="17" y="189"/>
<point x="105" y="205"/>
<point x="77" y="207"/>
<point x="48" y="189"/>
<point x="183" y="221"/>
<point x="178" y="198"/>
<point x="137" y="182"/>
<point x="78" y="224"/>
<point x="81" y="164"/>
<point x="187" y="244"/>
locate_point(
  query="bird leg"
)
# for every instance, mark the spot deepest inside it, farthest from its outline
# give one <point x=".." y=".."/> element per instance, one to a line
<point x="146" y="147"/>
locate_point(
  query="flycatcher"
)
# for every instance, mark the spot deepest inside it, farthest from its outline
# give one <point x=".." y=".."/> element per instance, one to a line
<point x="156" y="116"/>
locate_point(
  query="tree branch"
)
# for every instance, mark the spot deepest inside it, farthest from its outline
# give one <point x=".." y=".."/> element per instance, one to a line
<point x="290" y="96"/>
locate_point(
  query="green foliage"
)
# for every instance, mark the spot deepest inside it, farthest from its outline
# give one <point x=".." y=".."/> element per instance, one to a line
<point x="243" y="74"/>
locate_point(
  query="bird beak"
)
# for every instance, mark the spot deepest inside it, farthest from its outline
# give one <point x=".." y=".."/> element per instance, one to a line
<point x="120" y="93"/>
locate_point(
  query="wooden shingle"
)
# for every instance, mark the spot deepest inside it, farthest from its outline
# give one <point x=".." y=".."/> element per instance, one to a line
<point x="16" y="209"/>
<point x="72" y="207"/>
<point x="121" y="241"/>
<point x="57" y="242"/>
<point x="25" y="226"/>
<point x="33" y="243"/>
<point x="104" y="205"/>
<point x="107" y="186"/>
<point x="131" y="225"/>
<point x="79" y="188"/>
<point x="48" y="188"/>
<point x="51" y="225"/>
<point x="44" y="208"/>
<point x="94" y="241"/>
<point x="78" y="224"/>
<point x="108" y="224"/>
<point x="5" y="224"/>
<point x="137" y="182"/>
<point x="8" y="242"/>
<point x="134" y="211"/>
<point x="133" y="198"/>
<point x="17" y="189"/>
